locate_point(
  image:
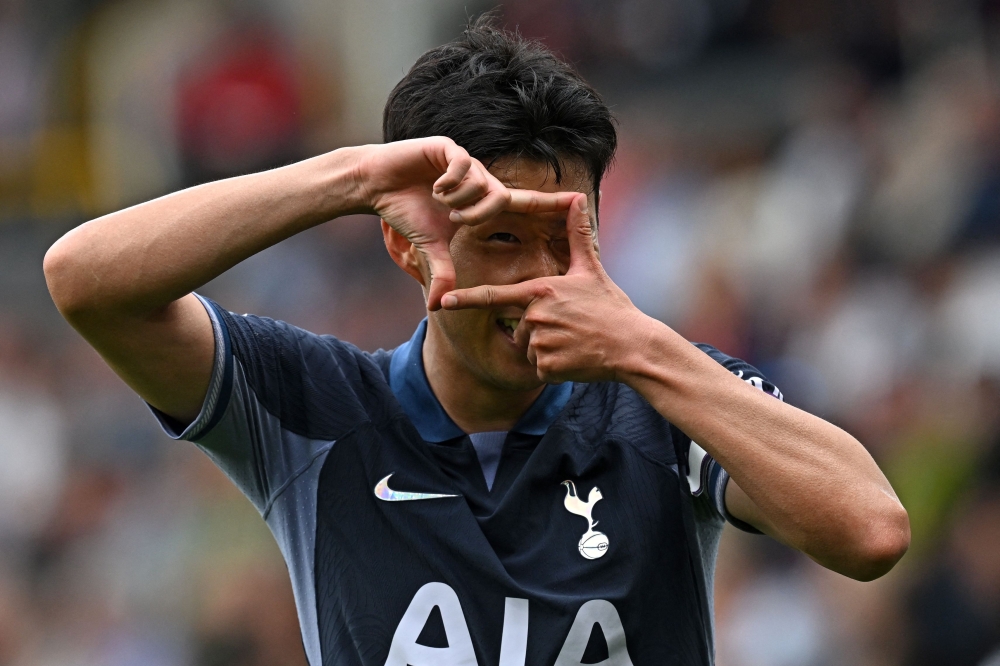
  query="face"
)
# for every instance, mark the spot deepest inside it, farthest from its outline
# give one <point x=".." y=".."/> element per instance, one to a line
<point x="510" y="248"/>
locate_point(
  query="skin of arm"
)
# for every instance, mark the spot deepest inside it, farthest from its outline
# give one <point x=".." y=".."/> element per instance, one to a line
<point x="124" y="281"/>
<point x="793" y="475"/>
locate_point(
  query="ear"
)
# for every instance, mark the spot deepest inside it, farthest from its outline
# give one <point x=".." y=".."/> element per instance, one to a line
<point x="405" y="254"/>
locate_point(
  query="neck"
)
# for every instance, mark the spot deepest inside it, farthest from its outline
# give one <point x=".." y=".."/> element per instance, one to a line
<point x="472" y="404"/>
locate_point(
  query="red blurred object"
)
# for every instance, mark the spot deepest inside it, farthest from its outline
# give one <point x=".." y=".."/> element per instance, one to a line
<point x="240" y="108"/>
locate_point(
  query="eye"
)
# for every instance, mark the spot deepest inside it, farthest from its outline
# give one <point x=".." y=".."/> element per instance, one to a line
<point x="503" y="237"/>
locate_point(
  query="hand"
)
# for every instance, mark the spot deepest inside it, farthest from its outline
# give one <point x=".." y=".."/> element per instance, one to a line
<point x="425" y="188"/>
<point x="576" y="327"/>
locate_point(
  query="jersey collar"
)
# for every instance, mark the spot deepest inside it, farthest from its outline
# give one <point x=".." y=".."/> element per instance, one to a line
<point x="408" y="382"/>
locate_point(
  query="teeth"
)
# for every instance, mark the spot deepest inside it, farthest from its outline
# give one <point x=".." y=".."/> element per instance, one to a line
<point x="511" y="323"/>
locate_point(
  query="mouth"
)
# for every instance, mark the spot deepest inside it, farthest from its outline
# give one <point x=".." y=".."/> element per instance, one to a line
<point x="508" y="325"/>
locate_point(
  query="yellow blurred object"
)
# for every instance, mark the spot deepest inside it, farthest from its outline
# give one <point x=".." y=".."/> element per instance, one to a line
<point x="61" y="182"/>
<point x="929" y="472"/>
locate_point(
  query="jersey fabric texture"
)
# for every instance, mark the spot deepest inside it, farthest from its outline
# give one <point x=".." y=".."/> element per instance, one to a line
<point x="586" y="534"/>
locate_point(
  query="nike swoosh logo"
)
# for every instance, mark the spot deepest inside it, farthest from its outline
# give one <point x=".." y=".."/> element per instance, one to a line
<point x="387" y="494"/>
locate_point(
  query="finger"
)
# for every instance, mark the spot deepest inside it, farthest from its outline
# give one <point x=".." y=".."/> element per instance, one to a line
<point x="473" y="187"/>
<point x="491" y="296"/>
<point x="529" y="201"/>
<point x="459" y="164"/>
<point x="582" y="254"/>
<point x="442" y="273"/>
<point x="494" y="202"/>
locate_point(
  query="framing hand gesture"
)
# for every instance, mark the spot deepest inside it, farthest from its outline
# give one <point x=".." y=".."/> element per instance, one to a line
<point x="575" y="327"/>
<point x="425" y="188"/>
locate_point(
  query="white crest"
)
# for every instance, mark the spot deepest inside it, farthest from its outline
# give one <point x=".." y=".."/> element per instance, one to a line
<point x="593" y="544"/>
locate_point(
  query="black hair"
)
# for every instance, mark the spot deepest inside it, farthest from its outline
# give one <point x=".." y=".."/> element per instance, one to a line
<point x="499" y="95"/>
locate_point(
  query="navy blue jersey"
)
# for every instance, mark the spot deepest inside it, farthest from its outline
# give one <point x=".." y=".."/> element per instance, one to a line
<point x="590" y="537"/>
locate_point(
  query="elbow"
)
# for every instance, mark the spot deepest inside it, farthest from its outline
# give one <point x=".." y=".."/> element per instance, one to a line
<point x="60" y="278"/>
<point x="67" y="280"/>
<point x="882" y="544"/>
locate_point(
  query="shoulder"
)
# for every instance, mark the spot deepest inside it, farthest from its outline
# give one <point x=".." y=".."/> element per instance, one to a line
<point x="317" y="385"/>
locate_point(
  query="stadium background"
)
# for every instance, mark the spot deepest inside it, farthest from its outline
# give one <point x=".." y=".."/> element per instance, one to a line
<point x="812" y="185"/>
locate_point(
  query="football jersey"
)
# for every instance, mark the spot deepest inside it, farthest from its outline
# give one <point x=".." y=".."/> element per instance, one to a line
<point x="586" y="534"/>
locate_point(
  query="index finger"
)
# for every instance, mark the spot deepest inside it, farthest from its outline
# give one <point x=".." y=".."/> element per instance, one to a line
<point x="530" y="201"/>
<point x="489" y="296"/>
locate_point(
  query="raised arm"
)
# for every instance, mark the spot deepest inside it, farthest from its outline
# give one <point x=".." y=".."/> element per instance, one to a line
<point x="798" y="478"/>
<point x="124" y="281"/>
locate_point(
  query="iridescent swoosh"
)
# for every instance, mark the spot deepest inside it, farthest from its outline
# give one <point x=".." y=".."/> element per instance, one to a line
<point x="385" y="493"/>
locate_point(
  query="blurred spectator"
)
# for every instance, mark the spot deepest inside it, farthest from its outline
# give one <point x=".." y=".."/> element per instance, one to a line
<point x="970" y="318"/>
<point x="934" y="155"/>
<point x="33" y="444"/>
<point x="803" y="210"/>
<point x="862" y="345"/>
<point x="655" y="257"/>
<point x="239" y="106"/>
<point x="956" y="607"/>
<point x="22" y="80"/>
<point x="776" y="619"/>
<point x="134" y="54"/>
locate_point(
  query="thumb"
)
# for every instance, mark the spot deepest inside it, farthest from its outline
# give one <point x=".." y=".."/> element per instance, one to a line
<point x="442" y="272"/>
<point x="582" y="255"/>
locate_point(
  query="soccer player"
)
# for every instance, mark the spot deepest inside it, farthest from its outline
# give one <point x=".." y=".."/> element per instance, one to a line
<point x="541" y="473"/>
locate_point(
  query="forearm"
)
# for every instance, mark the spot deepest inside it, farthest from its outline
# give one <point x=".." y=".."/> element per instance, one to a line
<point x="815" y="487"/>
<point x="140" y="259"/>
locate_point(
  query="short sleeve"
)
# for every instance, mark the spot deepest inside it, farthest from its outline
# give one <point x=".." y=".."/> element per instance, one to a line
<point x="278" y="399"/>
<point x="219" y="387"/>
<point x="707" y="480"/>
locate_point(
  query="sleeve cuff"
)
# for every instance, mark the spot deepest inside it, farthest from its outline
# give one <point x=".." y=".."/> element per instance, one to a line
<point x="219" y="387"/>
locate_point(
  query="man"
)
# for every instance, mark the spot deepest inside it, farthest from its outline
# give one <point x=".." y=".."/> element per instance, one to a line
<point x="517" y="484"/>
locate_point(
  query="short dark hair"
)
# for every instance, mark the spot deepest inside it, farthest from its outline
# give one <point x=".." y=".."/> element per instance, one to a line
<point x="499" y="95"/>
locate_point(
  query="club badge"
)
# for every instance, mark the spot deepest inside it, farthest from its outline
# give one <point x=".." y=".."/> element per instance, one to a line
<point x="593" y="544"/>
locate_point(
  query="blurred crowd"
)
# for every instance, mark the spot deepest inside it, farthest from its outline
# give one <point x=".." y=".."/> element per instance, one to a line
<point x="813" y="186"/>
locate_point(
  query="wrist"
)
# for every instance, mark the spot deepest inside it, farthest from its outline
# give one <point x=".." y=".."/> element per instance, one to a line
<point x="652" y="345"/>
<point x="635" y="348"/>
<point x="673" y="374"/>
<point x="340" y="181"/>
